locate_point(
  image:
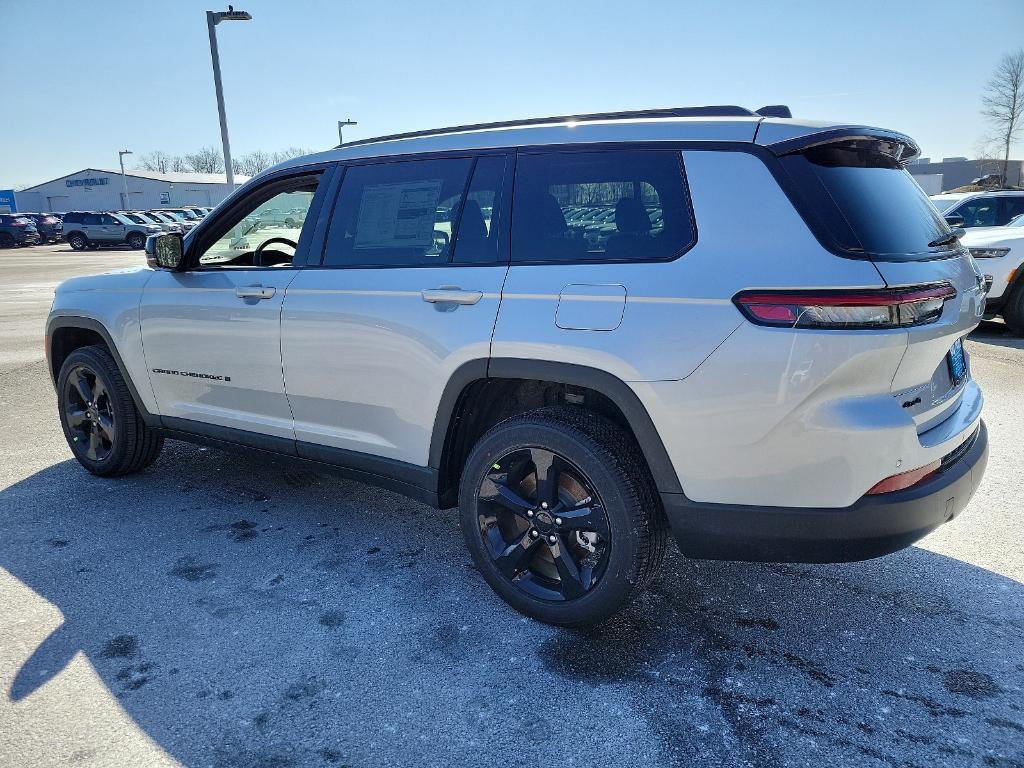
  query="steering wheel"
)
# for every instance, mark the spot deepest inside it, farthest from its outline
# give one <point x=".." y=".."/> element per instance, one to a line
<point x="257" y="256"/>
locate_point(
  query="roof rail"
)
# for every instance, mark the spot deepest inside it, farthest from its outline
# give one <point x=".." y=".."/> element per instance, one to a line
<point x="714" y="111"/>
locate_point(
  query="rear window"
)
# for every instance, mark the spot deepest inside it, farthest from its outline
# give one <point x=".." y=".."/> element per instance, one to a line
<point x="879" y="210"/>
<point x="612" y="205"/>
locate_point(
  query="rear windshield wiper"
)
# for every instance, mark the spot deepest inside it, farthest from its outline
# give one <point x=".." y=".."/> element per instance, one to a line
<point x="949" y="239"/>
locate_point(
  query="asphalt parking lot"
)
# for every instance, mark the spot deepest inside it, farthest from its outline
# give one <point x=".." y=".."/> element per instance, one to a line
<point x="219" y="611"/>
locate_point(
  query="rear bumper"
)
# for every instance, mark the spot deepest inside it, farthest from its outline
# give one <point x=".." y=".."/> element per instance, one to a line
<point x="870" y="527"/>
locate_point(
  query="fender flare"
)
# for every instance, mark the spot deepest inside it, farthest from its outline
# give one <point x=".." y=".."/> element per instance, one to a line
<point x="87" y="323"/>
<point x="609" y="385"/>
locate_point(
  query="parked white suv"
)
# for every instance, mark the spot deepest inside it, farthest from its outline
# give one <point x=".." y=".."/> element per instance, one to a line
<point x="1000" y="254"/>
<point x="770" y="368"/>
<point x="980" y="209"/>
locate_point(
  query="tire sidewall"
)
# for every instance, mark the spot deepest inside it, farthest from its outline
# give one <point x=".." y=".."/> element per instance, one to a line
<point x="136" y="241"/>
<point x="621" y="573"/>
<point x="78" y="242"/>
<point x="122" y="411"/>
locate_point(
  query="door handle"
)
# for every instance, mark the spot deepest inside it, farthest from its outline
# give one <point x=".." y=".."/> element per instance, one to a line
<point x="254" y="292"/>
<point x="450" y="294"/>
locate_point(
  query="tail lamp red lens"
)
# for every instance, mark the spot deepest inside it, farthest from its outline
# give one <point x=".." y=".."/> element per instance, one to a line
<point x="849" y="310"/>
<point x="905" y="479"/>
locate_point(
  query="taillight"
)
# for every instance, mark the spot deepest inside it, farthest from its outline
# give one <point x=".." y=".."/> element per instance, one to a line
<point x="850" y="310"/>
<point x="905" y="479"/>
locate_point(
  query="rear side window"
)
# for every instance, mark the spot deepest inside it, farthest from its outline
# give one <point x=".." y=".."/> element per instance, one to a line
<point x="1012" y="207"/>
<point x="610" y="205"/>
<point x="397" y="213"/>
<point x="878" y="209"/>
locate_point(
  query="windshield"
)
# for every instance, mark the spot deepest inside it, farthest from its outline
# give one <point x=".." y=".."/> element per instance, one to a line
<point x="882" y="212"/>
<point x="943" y="204"/>
<point x="1017" y="221"/>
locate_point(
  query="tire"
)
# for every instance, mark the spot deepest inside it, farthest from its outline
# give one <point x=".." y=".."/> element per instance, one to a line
<point x="1013" y="309"/>
<point x="78" y="241"/>
<point x="101" y="423"/>
<point x="606" y="474"/>
<point x="136" y="241"/>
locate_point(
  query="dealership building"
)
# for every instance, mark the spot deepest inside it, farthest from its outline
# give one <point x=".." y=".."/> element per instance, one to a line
<point x="95" y="189"/>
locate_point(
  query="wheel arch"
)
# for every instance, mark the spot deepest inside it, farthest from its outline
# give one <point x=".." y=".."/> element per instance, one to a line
<point x="66" y="333"/>
<point x="467" y="391"/>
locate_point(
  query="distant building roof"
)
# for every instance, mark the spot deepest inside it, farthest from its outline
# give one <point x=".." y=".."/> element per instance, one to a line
<point x="177" y="177"/>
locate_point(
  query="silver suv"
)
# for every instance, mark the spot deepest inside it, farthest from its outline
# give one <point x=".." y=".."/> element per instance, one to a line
<point x="85" y="229"/>
<point x="769" y="367"/>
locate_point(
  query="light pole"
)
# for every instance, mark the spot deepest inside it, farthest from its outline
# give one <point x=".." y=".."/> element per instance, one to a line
<point x="124" y="179"/>
<point x="213" y="18"/>
<point x="340" y="124"/>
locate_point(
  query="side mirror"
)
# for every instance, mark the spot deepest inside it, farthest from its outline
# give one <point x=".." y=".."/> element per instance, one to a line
<point x="165" y="251"/>
<point x="955" y="221"/>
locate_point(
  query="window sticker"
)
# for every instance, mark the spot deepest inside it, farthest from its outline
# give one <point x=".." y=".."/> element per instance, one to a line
<point x="398" y="215"/>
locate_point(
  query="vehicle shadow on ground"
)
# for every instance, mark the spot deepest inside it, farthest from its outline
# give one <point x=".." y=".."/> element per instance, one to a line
<point x="244" y="614"/>
<point x="996" y="333"/>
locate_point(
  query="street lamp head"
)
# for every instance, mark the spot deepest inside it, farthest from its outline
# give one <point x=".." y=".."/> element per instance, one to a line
<point x="125" y="152"/>
<point x="231" y="15"/>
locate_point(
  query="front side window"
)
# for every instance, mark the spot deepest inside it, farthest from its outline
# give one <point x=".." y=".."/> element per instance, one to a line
<point x="1012" y="208"/>
<point x="398" y="213"/>
<point x="614" y="205"/>
<point x="980" y="212"/>
<point x="244" y="239"/>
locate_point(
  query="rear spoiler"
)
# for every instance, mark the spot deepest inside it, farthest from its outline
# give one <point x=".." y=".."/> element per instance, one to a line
<point x="900" y="146"/>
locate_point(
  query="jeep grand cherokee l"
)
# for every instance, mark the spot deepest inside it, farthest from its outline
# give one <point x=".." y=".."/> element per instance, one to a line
<point x="774" y="372"/>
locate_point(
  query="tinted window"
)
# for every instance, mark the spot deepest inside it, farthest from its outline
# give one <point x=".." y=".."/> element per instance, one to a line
<point x="476" y="239"/>
<point x="1012" y="207"/>
<point x="881" y="209"/>
<point x="72" y="218"/>
<point x="616" y="205"/>
<point x="979" y="212"/>
<point x="397" y="213"/>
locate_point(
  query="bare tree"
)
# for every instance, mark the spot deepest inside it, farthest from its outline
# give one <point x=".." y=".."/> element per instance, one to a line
<point x="205" y="160"/>
<point x="252" y="163"/>
<point x="157" y="160"/>
<point x="287" y="154"/>
<point x="178" y="164"/>
<point x="1003" y="102"/>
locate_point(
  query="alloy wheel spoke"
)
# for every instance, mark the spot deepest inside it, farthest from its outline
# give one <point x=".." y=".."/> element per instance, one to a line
<point x="516" y="557"/>
<point x="75" y="417"/>
<point x="549" y="469"/>
<point x="82" y="387"/>
<point x="92" y="451"/>
<point x="106" y="426"/>
<point x="507" y="498"/>
<point x="590" y="518"/>
<point x="98" y="390"/>
<point x="571" y="585"/>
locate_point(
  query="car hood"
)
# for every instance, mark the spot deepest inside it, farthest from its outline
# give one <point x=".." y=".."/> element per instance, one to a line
<point x="992" y="236"/>
<point x="125" y="279"/>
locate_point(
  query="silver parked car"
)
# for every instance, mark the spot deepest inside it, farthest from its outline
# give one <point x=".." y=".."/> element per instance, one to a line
<point x="770" y="368"/>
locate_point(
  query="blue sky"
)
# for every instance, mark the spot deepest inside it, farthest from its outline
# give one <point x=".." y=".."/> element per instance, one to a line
<point x="84" y="79"/>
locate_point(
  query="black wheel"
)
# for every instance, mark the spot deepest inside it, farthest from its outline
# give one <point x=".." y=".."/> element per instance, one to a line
<point x="136" y="241"/>
<point x="559" y="512"/>
<point x="1013" y="309"/>
<point x="93" y="246"/>
<point x="100" y="421"/>
<point x="78" y="241"/>
<point x="6" y="240"/>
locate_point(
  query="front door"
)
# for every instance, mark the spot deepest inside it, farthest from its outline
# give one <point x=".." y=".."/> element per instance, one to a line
<point x="212" y="332"/>
<point x="408" y="291"/>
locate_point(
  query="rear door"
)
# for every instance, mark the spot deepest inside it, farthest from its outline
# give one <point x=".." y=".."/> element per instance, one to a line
<point x="407" y="291"/>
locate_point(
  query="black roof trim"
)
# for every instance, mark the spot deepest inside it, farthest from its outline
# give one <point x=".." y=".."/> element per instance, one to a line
<point x="726" y="110"/>
<point x="775" y="110"/>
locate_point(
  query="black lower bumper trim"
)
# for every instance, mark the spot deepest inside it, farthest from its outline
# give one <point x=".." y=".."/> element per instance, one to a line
<point x="870" y="527"/>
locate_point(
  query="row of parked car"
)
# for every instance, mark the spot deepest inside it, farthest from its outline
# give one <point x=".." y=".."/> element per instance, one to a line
<point x="993" y="224"/>
<point x="91" y="229"/>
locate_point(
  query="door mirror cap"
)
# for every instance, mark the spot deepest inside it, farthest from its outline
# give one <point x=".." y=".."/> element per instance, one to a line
<point x="955" y="221"/>
<point x="165" y="251"/>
